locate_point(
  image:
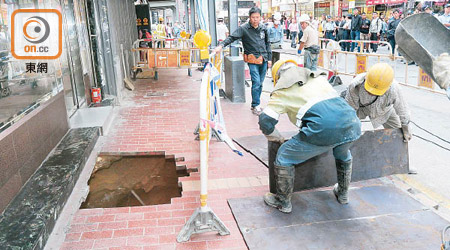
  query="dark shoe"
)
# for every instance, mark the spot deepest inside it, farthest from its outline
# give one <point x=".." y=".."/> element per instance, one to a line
<point x="284" y="180"/>
<point x="344" y="175"/>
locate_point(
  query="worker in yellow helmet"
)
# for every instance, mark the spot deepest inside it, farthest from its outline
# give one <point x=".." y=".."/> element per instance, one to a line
<point x="325" y="121"/>
<point x="376" y="95"/>
<point x="161" y="33"/>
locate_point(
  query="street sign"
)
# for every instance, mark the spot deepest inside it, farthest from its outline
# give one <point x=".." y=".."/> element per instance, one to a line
<point x="185" y="58"/>
<point x="424" y="79"/>
<point x="320" y="60"/>
<point x="361" y="64"/>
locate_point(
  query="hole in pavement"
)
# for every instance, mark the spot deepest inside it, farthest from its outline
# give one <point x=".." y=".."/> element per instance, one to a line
<point x="134" y="180"/>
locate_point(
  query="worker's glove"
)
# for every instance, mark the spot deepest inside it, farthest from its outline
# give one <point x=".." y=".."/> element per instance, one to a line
<point x="299" y="51"/>
<point x="406" y="134"/>
<point x="275" y="136"/>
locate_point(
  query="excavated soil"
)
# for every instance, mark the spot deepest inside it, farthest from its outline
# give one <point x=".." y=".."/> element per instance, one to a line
<point x="120" y="181"/>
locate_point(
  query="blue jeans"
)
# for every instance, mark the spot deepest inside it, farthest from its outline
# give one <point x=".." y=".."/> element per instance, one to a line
<point x="392" y="42"/>
<point x="310" y="60"/>
<point x="296" y="151"/>
<point x="293" y="38"/>
<point x="354" y="34"/>
<point x="258" y="73"/>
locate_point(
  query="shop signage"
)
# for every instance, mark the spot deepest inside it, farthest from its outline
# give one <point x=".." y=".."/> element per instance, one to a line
<point x="376" y="2"/>
<point x="351" y="4"/>
<point x="425" y="80"/>
<point x="324" y="5"/>
<point x="380" y="8"/>
<point x="142" y="17"/>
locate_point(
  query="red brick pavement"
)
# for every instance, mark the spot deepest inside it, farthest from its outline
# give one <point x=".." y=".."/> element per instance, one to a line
<point x="166" y="123"/>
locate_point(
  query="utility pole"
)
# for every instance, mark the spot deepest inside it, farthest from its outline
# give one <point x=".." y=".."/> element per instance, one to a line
<point x="233" y="24"/>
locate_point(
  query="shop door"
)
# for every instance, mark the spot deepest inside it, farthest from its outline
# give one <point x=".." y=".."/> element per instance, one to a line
<point x="73" y="50"/>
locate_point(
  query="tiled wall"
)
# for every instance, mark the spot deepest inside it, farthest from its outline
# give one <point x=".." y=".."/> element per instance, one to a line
<point x="25" y="145"/>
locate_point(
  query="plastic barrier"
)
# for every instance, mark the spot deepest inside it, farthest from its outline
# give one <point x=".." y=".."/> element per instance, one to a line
<point x="211" y="121"/>
<point x="336" y="62"/>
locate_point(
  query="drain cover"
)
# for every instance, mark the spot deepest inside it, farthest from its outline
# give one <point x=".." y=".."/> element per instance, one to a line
<point x="154" y="93"/>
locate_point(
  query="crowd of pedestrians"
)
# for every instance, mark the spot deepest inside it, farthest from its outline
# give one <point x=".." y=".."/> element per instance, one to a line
<point x="358" y="26"/>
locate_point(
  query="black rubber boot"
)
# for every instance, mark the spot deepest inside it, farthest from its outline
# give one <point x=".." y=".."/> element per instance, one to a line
<point x="344" y="176"/>
<point x="284" y="179"/>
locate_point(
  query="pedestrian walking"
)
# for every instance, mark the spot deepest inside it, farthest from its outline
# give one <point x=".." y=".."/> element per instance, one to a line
<point x="375" y="31"/>
<point x="325" y="122"/>
<point x="293" y="30"/>
<point x="257" y="52"/>
<point x="309" y="44"/>
<point x="365" y="25"/>
<point x="355" y="28"/>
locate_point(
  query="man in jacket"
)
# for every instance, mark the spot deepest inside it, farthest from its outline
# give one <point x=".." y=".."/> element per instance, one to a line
<point x="257" y="52"/>
<point x="355" y="28"/>
<point x="325" y="122"/>
<point x="392" y="26"/>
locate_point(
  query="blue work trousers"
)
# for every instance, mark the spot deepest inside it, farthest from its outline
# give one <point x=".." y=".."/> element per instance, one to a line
<point x="296" y="151"/>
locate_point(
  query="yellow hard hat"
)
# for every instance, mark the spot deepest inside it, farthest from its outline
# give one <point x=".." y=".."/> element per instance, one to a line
<point x="379" y="78"/>
<point x="277" y="66"/>
<point x="161" y="19"/>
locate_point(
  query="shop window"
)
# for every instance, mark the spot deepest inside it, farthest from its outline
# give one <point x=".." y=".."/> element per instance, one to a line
<point x="24" y="83"/>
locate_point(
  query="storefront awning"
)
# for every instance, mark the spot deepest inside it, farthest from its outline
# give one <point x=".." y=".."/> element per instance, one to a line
<point x="376" y="2"/>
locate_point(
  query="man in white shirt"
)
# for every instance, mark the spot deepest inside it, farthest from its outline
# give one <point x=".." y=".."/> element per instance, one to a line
<point x="222" y="30"/>
<point x="309" y="43"/>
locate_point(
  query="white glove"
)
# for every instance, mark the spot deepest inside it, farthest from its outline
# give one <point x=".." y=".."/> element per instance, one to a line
<point x="406" y="134"/>
<point x="275" y="136"/>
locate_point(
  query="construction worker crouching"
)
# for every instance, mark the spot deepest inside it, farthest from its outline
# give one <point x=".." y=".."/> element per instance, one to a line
<point x="325" y="120"/>
<point x="161" y="33"/>
<point x="376" y="95"/>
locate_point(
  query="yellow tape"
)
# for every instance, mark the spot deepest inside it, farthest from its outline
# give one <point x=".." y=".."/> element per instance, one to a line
<point x="427" y="191"/>
<point x="203" y="198"/>
<point x="203" y="134"/>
